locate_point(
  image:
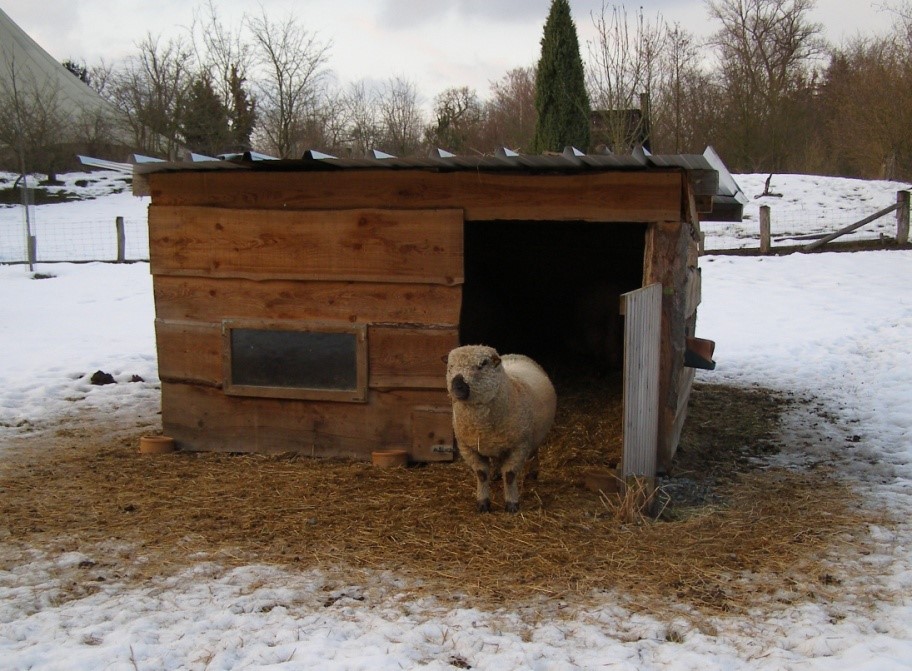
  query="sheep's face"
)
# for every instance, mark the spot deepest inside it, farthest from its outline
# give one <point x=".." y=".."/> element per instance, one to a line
<point x="473" y="373"/>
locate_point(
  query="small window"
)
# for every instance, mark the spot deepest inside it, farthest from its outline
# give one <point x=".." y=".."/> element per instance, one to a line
<point x="295" y="360"/>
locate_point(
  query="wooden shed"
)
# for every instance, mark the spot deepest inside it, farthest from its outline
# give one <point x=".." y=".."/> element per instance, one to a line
<point x="307" y="305"/>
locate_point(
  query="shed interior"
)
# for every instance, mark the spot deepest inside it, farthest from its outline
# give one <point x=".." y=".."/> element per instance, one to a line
<point x="550" y="289"/>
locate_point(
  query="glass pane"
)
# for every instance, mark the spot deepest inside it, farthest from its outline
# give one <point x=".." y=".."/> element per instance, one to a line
<point x="294" y="359"/>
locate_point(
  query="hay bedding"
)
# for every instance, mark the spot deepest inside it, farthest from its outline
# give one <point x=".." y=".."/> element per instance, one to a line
<point x="566" y="543"/>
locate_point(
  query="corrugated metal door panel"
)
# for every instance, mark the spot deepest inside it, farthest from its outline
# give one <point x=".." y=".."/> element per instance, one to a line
<point x="642" y="336"/>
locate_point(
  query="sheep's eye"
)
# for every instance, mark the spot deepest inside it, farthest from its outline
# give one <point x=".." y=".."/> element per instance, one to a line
<point x="484" y="362"/>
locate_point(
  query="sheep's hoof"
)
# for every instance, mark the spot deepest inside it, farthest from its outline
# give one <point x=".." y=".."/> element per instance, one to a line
<point x="512" y="507"/>
<point x="484" y="506"/>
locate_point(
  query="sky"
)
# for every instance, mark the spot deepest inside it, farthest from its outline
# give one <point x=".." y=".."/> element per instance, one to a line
<point x="435" y="44"/>
<point x="833" y="327"/>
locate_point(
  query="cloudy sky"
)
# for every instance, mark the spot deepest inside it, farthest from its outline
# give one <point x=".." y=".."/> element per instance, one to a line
<point x="433" y="43"/>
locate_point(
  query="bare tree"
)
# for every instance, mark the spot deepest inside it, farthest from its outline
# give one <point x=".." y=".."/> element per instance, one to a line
<point x="221" y="50"/>
<point x="32" y="122"/>
<point x="151" y="89"/>
<point x="292" y="70"/>
<point x="675" y="118"/>
<point x="227" y="57"/>
<point x="865" y="109"/>
<point x="509" y="113"/>
<point x="623" y="73"/>
<point x="400" y="117"/>
<point x="459" y="120"/>
<point x="364" y="129"/>
<point x="765" y="49"/>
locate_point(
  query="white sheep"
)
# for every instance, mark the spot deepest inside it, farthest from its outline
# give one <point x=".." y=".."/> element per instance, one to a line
<point x="503" y="407"/>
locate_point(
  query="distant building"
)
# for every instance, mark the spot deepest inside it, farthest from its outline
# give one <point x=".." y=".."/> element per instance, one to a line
<point x="620" y="130"/>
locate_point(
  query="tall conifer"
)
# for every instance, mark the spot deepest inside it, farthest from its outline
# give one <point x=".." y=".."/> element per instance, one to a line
<point x="560" y="85"/>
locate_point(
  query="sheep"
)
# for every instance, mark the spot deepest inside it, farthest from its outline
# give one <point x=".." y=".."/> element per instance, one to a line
<point x="503" y="407"/>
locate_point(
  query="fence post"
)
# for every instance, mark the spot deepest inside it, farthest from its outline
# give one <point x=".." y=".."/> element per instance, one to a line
<point x="32" y="251"/>
<point x="121" y="239"/>
<point x="902" y="217"/>
<point x="765" y="243"/>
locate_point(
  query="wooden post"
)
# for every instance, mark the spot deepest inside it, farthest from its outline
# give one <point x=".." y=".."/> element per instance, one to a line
<point x="701" y="245"/>
<point x="765" y="242"/>
<point x="121" y="239"/>
<point x="902" y="217"/>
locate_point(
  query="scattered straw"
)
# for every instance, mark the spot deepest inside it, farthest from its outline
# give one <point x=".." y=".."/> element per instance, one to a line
<point x="75" y="492"/>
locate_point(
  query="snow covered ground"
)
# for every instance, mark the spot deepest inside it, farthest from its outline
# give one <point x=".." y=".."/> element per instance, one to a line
<point x="832" y="326"/>
<point x="806" y="204"/>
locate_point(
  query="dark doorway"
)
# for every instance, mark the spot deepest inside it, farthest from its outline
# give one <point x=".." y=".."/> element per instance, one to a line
<point x="550" y="289"/>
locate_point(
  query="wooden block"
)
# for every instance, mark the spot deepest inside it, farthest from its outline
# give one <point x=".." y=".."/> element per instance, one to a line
<point x="432" y="434"/>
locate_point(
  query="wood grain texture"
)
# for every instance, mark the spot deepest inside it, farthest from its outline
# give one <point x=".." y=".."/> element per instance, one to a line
<point x="623" y="196"/>
<point x="667" y="248"/>
<point x="201" y="418"/>
<point x="206" y="299"/>
<point x="419" y="246"/>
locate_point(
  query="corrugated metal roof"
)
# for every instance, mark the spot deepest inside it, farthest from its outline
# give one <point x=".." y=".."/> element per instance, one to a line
<point x="707" y="174"/>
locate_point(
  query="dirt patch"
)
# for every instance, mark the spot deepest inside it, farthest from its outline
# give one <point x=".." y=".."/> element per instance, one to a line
<point x="763" y="534"/>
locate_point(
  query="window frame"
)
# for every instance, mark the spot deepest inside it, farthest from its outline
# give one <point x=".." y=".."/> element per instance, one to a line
<point x="356" y="395"/>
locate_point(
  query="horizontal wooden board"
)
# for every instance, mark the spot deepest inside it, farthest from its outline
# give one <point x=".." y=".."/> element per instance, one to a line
<point x="362" y="245"/>
<point x="398" y="358"/>
<point x="623" y="196"/>
<point x="201" y="418"/>
<point x="211" y="300"/>
<point x="409" y="357"/>
<point x="190" y="352"/>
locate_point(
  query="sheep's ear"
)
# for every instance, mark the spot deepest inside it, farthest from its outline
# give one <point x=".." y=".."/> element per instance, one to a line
<point x="495" y="360"/>
<point x="445" y="358"/>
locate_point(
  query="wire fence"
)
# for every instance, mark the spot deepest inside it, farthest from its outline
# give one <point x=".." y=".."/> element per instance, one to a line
<point x="797" y="225"/>
<point x="75" y="240"/>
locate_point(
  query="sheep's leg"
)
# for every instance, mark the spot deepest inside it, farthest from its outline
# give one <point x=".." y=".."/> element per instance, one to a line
<point x="532" y="467"/>
<point x="481" y="467"/>
<point x="511" y="470"/>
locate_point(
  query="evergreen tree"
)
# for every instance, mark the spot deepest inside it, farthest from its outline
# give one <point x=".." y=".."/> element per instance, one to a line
<point x="205" y="120"/>
<point x="560" y="85"/>
<point x="78" y="70"/>
<point x="241" y="113"/>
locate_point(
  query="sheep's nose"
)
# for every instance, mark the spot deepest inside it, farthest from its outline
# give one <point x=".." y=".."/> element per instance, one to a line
<point x="460" y="388"/>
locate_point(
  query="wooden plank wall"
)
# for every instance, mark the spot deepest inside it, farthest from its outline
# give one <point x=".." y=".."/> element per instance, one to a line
<point x="397" y="272"/>
<point x="642" y="309"/>
<point x="671" y="259"/>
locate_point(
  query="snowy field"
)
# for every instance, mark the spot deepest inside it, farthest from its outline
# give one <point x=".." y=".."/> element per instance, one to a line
<point x="806" y="204"/>
<point x="832" y="326"/>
